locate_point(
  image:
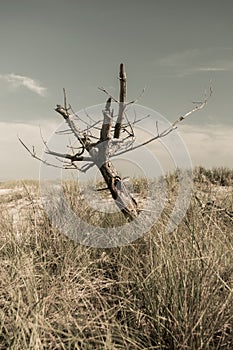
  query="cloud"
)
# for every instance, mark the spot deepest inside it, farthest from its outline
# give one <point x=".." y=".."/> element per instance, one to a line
<point x="17" y="80"/>
<point x="178" y="59"/>
<point x="211" y="69"/>
<point x="209" y="145"/>
<point x="194" y="70"/>
<point x="193" y="61"/>
<point x="226" y="67"/>
<point x="16" y="163"/>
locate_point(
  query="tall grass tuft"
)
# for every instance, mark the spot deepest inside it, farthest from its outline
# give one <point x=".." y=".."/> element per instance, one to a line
<point x="163" y="291"/>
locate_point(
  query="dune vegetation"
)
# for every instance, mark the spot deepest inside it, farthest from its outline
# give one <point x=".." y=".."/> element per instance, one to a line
<point x="163" y="291"/>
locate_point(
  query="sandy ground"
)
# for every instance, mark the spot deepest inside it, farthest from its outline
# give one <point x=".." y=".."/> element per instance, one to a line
<point x="4" y="191"/>
<point x="15" y="205"/>
<point x="18" y="202"/>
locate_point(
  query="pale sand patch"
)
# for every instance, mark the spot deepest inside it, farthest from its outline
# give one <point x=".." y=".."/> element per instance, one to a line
<point x="4" y="191"/>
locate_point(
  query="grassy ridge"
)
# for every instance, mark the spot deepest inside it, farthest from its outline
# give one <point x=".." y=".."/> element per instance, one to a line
<point x="164" y="291"/>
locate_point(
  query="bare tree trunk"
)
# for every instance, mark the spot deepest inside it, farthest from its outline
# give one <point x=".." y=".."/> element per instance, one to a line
<point x="99" y="155"/>
<point x="99" y="152"/>
<point x="125" y="202"/>
<point x="123" y="199"/>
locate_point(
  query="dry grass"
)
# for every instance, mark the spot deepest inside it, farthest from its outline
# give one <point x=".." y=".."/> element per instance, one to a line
<point x="164" y="291"/>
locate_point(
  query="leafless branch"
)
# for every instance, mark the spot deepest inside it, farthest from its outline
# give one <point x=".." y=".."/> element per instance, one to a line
<point x="64" y="132"/>
<point x="137" y="99"/>
<point x="73" y="158"/>
<point x="139" y="120"/>
<point x="172" y="127"/>
<point x="86" y="167"/>
<point x="198" y="107"/>
<point x="129" y="125"/>
<point x="107" y="93"/>
<point x="34" y="155"/>
<point x="91" y="119"/>
<point x="78" y="116"/>
<point x="74" y="128"/>
<point x="93" y="126"/>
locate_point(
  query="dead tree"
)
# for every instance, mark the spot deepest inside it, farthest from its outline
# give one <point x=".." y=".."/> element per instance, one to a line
<point x="116" y="137"/>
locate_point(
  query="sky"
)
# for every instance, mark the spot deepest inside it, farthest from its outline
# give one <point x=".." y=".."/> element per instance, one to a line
<point x="173" y="49"/>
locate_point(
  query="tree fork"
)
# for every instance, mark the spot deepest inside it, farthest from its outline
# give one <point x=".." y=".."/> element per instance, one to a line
<point x="99" y="154"/>
<point x="123" y="199"/>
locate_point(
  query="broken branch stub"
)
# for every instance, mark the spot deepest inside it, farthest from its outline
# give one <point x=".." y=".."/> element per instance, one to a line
<point x="122" y="100"/>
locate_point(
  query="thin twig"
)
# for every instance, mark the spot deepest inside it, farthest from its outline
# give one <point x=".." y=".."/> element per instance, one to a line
<point x="172" y="127"/>
<point x="64" y="132"/>
<point x="107" y="93"/>
<point x="137" y="99"/>
<point x="33" y="154"/>
<point x="139" y="120"/>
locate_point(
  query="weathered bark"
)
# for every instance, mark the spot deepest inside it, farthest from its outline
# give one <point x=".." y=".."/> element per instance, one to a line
<point x="105" y="133"/>
<point x="99" y="155"/>
<point x="123" y="199"/>
<point x="122" y="99"/>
